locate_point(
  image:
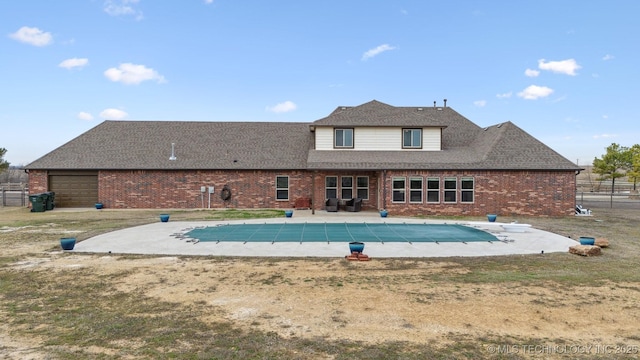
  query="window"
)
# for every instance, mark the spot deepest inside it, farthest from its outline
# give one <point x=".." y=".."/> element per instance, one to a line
<point x="466" y="190"/>
<point x="282" y="188"/>
<point x="450" y="190"/>
<point x="362" y="187"/>
<point x="346" y="188"/>
<point x="344" y="138"/>
<point x="415" y="190"/>
<point x="433" y="190"/>
<point x="398" y="193"/>
<point x="331" y="187"/>
<point x="412" y="138"/>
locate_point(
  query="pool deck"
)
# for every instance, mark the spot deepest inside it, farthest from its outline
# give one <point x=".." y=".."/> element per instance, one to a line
<point x="160" y="239"/>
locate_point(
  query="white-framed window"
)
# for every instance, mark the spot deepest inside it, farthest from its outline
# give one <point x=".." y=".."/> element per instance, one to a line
<point x="412" y="138"/>
<point x="346" y="187"/>
<point x="398" y="189"/>
<point x="331" y="187"/>
<point x="282" y="188"/>
<point x="362" y="187"/>
<point x="450" y="190"/>
<point x="433" y="190"/>
<point x="466" y="190"/>
<point x="415" y="189"/>
<point x="343" y="138"/>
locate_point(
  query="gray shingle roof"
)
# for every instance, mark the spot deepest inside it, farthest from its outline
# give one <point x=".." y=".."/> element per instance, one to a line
<point x="499" y="147"/>
<point x="375" y="113"/>
<point x="198" y="145"/>
<point x="273" y="146"/>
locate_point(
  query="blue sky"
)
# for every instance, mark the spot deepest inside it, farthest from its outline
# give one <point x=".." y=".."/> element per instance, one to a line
<point x="564" y="71"/>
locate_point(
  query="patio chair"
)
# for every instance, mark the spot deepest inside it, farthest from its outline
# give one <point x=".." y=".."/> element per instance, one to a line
<point x="582" y="211"/>
<point x="353" y="205"/>
<point x="331" y="205"/>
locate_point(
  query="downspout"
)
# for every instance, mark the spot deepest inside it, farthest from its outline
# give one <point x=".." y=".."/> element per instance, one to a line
<point x="313" y="192"/>
<point x="384" y="189"/>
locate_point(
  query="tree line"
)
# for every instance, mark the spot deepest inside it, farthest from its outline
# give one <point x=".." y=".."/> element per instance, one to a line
<point x="619" y="161"/>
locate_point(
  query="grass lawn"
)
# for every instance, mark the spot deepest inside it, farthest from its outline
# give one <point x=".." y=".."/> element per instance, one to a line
<point x="61" y="305"/>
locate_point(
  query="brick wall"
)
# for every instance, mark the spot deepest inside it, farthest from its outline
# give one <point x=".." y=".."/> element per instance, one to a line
<point x="536" y="193"/>
<point x="181" y="189"/>
<point x="38" y="181"/>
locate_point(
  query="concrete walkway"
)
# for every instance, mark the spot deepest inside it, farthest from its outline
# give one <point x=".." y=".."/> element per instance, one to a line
<point x="160" y="238"/>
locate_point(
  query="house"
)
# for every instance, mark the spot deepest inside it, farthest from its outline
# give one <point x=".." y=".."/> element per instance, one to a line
<point x="409" y="160"/>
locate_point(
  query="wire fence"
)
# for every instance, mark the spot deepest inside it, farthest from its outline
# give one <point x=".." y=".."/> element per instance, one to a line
<point x="14" y="194"/>
<point x="621" y="200"/>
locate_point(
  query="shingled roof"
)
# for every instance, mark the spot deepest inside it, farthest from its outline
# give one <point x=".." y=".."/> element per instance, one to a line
<point x="499" y="147"/>
<point x="289" y="146"/>
<point x="198" y="145"/>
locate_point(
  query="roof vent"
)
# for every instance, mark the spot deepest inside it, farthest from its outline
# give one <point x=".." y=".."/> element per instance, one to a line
<point x="434" y="104"/>
<point x="445" y="102"/>
<point x="440" y="109"/>
<point x="499" y="125"/>
<point x="485" y="129"/>
<point x="173" y="152"/>
<point x="420" y="109"/>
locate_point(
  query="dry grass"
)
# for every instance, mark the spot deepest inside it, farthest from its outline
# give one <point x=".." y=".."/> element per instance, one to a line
<point x="57" y="305"/>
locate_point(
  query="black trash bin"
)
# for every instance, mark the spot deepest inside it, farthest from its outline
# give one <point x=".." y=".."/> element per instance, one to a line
<point x="37" y="203"/>
<point x="45" y="198"/>
<point x="50" y="203"/>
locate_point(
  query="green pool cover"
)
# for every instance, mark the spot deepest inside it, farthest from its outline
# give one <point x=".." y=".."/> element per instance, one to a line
<point x="340" y="232"/>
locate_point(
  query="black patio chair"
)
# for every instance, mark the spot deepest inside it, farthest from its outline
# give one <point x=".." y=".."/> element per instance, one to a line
<point x="353" y="205"/>
<point x="331" y="205"/>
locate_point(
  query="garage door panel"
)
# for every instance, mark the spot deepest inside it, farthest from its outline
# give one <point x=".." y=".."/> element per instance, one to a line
<point x="74" y="190"/>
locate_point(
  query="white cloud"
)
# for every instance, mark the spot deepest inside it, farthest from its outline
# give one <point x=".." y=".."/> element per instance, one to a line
<point x="85" y="116"/>
<point x="531" y="73"/>
<point x="32" y="36"/>
<point x="283" y="107"/>
<point x="74" y="62"/>
<point x="608" y="57"/>
<point x="113" y="114"/>
<point x="376" y="51"/>
<point x="504" y="95"/>
<point x="208" y="1"/>
<point x="604" y="136"/>
<point x="480" y="103"/>
<point x="567" y="67"/>
<point x="122" y="8"/>
<point x="534" y="92"/>
<point x="128" y="73"/>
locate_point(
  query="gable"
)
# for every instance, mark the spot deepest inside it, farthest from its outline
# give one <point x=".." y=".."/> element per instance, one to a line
<point x="378" y="138"/>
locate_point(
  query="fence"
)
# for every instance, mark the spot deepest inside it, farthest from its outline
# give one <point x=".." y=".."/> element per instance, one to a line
<point x="620" y="200"/>
<point x="604" y="186"/>
<point x="14" y="194"/>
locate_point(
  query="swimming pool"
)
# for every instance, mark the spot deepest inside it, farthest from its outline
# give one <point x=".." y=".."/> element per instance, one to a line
<point x="340" y="232"/>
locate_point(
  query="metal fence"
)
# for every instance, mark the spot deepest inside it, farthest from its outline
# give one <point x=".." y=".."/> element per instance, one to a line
<point x="14" y="194"/>
<point x="622" y="200"/>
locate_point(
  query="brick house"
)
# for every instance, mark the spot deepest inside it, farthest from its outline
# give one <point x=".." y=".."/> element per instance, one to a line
<point x="409" y="160"/>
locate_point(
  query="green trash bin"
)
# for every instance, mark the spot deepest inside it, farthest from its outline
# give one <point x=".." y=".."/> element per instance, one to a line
<point x="37" y="203"/>
<point x="50" y="202"/>
<point x="45" y="198"/>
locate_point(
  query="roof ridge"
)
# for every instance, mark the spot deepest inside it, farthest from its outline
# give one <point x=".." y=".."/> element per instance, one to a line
<point x="494" y="142"/>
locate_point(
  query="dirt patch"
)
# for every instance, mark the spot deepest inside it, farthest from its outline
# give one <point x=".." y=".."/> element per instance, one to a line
<point x="372" y="302"/>
<point x="555" y="299"/>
